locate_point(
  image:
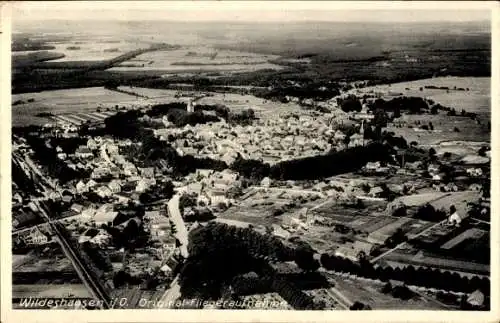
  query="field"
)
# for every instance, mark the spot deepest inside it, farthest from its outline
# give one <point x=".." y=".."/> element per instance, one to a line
<point x="368" y="292"/>
<point x="258" y="208"/>
<point x="50" y="291"/>
<point x="235" y="102"/>
<point x="65" y="101"/>
<point x="34" y="264"/>
<point x="198" y="59"/>
<point x="476" y="99"/>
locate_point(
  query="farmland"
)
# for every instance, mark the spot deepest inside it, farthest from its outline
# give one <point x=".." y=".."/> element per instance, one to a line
<point x="198" y="59"/>
<point x="369" y="292"/>
<point x="65" y="101"/>
<point x="476" y="100"/>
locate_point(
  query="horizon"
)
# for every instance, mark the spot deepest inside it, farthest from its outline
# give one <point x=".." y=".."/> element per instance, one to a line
<point x="248" y="12"/>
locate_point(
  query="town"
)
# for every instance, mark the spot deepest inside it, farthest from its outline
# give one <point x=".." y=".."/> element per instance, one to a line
<point x="129" y="206"/>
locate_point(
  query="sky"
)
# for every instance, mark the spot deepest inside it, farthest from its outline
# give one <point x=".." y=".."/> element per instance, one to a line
<point x="248" y="11"/>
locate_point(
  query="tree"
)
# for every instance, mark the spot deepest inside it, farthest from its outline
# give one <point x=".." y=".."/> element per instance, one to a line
<point x="387" y="288"/>
<point x="351" y="103"/>
<point x="482" y="151"/>
<point x="380" y="118"/>
<point x="358" y="306"/>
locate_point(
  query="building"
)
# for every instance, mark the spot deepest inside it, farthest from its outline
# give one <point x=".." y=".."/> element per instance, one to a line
<point x="455" y="218"/>
<point x="148" y="172"/>
<point x="83" y="152"/>
<point x="36" y="237"/>
<point x="81" y="187"/>
<point x="476" y="298"/>
<point x="115" y="186"/>
<point x="78" y="208"/>
<point x="92" y="144"/>
<point x="190" y="106"/>
<point x="104" y="217"/>
<point x="104" y="191"/>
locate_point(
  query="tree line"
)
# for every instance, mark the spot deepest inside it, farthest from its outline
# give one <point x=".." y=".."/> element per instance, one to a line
<point x="421" y="276"/>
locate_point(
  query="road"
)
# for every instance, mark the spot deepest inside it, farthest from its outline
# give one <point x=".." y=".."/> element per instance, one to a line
<point x="403" y="243"/>
<point x="171" y="295"/>
<point x="181" y="231"/>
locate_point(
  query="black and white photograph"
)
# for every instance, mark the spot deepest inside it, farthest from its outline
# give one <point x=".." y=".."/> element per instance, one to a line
<point x="249" y="156"/>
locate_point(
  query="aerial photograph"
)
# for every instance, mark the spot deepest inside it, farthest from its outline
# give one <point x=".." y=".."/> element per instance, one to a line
<point x="250" y="159"/>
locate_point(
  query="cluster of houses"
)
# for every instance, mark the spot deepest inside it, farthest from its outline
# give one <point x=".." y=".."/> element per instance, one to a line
<point x="269" y="140"/>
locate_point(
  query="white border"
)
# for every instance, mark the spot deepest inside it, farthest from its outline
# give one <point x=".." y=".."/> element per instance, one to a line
<point x="9" y="315"/>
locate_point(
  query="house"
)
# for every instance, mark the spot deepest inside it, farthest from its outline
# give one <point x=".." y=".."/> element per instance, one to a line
<point x="87" y="214"/>
<point x="104" y="217"/>
<point x="83" y="152"/>
<point x="81" y="187"/>
<point x="104" y="191"/>
<point x="54" y="195"/>
<point x="92" y="144"/>
<point x="129" y="169"/>
<point x="280" y="232"/>
<point x="347" y="252"/>
<point x="363" y="248"/>
<point x="266" y="182"/>
<point x="141" y="186"/>
<point x="115" y="186"/>
<point x="433" y="169"/>
<point x="356" y="140"/>
<point x="36" y="237"/>
<point x="91" y="183"/>
<point x="372" y="166"/>
<point x="376" y="191"/>
<point x="17" y="198"/>
<point x="112" y="149"/>
<point x="475" y="172"/>
<point x="102" y="238"/>
<point x="455" y="218"/>
<point x="100" y="172"/>
<point x="476" y="298"/>
<point x="148" y="172"/>
<point x="204" y="173"/>
<point x="78" y="208"/>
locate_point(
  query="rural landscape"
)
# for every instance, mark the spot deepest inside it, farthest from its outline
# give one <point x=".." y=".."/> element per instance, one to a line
<point x="315" y="165"/>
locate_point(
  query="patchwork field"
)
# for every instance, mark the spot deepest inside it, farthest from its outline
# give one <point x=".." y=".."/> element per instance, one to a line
<point x="199" y="59"/>
<point x="28" y="105"/>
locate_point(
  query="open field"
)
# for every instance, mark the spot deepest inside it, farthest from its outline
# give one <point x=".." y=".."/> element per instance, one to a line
<point x="368" y="292"/>
<point x="65" y="101"/>
<point x="476" y="99"/>
<point x="50" y="291"/>
<point x="236" y="102"/>
<point x="258" y="208"/>
<point x="33" y="264"/>
<point x="198" y="59"/>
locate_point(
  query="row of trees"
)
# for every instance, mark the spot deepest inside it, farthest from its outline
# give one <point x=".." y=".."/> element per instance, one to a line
<point x="331" y="164"/>
<point x="421" y="276"/>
